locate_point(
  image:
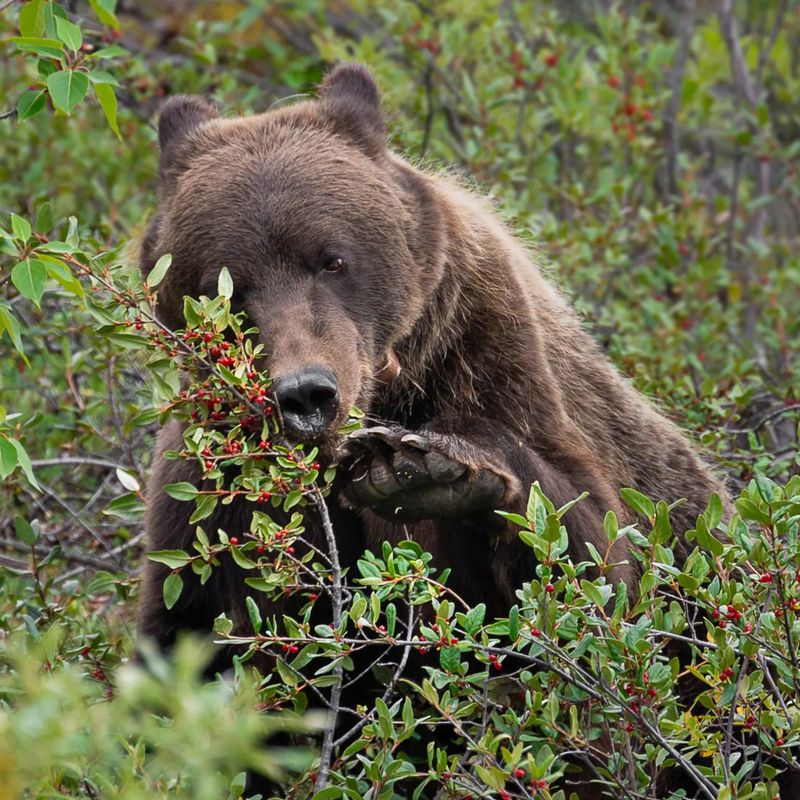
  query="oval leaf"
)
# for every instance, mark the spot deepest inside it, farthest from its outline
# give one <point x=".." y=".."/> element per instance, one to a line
<point x="29" y="277"/>
<point x="173" y="586"/>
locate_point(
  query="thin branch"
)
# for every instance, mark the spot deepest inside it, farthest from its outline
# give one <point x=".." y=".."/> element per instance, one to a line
<point x="336" y="597"/>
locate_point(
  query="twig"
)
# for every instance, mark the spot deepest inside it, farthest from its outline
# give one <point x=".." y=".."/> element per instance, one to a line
<point x="347" y="735"/>
<point x="685" y="32"/>
<point x="336" y="596"/>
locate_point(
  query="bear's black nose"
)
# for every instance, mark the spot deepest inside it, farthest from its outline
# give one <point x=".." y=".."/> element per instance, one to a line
<point x="308" y="399"/>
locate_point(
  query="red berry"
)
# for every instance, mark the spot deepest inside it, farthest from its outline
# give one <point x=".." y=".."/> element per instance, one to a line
<point x="765" y="578"/>
<point x="535" y="632"/>
<point x="779" y="741"/>
<point x="549" y="588"/>
<point x="519" y="773"/>
<point x="613" y="81"/>
<point x="551" y="60"/>
<point x="234" y="540"/>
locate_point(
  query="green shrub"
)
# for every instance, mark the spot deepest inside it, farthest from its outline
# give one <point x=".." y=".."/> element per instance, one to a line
<point x="660" y="180"/>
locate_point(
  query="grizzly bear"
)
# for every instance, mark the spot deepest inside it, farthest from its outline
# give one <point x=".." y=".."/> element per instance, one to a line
<point x="376" y="284"/>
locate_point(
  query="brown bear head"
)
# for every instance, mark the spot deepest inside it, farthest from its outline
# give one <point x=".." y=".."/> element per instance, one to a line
<point x="332" y="241"/>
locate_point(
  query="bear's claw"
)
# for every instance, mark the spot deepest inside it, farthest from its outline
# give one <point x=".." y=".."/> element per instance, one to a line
<point x="402" y="475"/>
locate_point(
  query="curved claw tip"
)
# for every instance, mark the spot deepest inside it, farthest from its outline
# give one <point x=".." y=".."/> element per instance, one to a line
<point x="418" y="442"/>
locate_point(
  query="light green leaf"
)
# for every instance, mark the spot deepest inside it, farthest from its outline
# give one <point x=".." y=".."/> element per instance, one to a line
<point x="29" y="277"/>
<point x="31" y="18"/>
<point x="21" y="228"/>
<point x="159" y="270"/>
<point x="108" y="102"/>
<point x="127" y="480"/>
<point x="101" y="76"/>
<point x="105" y="12"/>
<point x="9" y="325"/>
<point x="225" y="284"/>
<point x="25" y="462"/>
<point x="67" y="88"/>
<point x="174" y="559"/>
<point x="181" y="491"/>
<point x="69" y="33"/>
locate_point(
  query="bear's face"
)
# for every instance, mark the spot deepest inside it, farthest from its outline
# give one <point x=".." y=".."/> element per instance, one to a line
<point x="319" y="227"/>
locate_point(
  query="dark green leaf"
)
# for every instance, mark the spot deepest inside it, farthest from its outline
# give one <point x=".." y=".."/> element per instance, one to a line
<point x="30" y="103"/>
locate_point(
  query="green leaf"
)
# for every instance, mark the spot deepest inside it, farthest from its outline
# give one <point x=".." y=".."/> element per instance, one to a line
<point x="25" y="531"/>
<point x="255" y="614"/>
<point x="44" y="218"/>
<point x="206" y="503"/>
<point x="30" y="103"/>
<point x="67" y="88"/>
<point x="513" y="623"/>
<point x="108" y="102"/>
<point x="181" y="491"/>
<point x="329" y="793"/>
<point x="21" y="228"/>
<point x="69" y="33"/>
<point x="450" y="659"/>
<point x="31" y="18"/>
<point x="225" y="284"/>
<point x="105" y="12"/>
<point x="222" y="625"/>
<point x="46" y="47"/>
<point x="101" y="76"/>
<point x="611" y="526"/>
<point x="9" y="325"/>
<point x="638" y="502"/>
<point x="173" y="586"/>
<point x="241" y="559"/>
<point x="29" y="276"/>
<point x="24" y="462"/>
<point x="174" y="559"/>
<point x="475" y="618"/>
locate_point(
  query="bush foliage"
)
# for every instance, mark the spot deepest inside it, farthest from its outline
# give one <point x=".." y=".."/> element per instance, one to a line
<point x="650" y="153"/>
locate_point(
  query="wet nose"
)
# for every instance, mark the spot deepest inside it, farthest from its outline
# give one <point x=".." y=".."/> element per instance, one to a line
<point x="308" y="399"/>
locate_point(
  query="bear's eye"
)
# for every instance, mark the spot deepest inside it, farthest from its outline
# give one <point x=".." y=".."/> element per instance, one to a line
<point x="334" y="264"/>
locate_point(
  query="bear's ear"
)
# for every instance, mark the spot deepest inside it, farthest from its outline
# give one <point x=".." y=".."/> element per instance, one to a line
<point x="179" y="116"/>
<point x="351" y="96"/>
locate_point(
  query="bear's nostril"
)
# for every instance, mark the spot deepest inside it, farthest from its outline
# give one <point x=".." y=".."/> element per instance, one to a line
<point x="308" y="399"/>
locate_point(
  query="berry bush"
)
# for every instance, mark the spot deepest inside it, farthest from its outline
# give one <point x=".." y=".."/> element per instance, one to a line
<point x="649" y="152"/>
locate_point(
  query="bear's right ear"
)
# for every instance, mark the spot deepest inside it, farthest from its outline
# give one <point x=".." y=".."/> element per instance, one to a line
<point x="351" y="96"/>
<point x="180" y="116"/>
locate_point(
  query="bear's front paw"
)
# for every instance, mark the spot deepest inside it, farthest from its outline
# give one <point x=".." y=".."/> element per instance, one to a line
<point x="405" y="475"/>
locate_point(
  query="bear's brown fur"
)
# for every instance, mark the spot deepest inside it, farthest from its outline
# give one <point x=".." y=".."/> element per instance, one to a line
<point x="498" y="383"/>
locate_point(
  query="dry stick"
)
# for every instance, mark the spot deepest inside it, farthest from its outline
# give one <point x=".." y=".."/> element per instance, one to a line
<point x="336" y="597"/>
<point x="685" y="33"/>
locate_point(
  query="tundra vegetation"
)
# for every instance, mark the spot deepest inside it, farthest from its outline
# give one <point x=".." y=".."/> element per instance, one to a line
<point x="649" y="152"/>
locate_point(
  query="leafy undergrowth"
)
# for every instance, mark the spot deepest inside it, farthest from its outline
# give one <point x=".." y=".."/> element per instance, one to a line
<point x="662" y="184"/>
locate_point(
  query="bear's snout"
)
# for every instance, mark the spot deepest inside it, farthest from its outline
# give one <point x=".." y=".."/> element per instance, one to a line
<point x="308" y="399"/>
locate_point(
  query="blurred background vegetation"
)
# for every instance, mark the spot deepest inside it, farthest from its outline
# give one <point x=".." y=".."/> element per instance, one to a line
<point x="648" y="151"/>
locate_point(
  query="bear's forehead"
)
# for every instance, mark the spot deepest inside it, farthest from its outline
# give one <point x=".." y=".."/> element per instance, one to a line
<point x="282" y="166"/>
